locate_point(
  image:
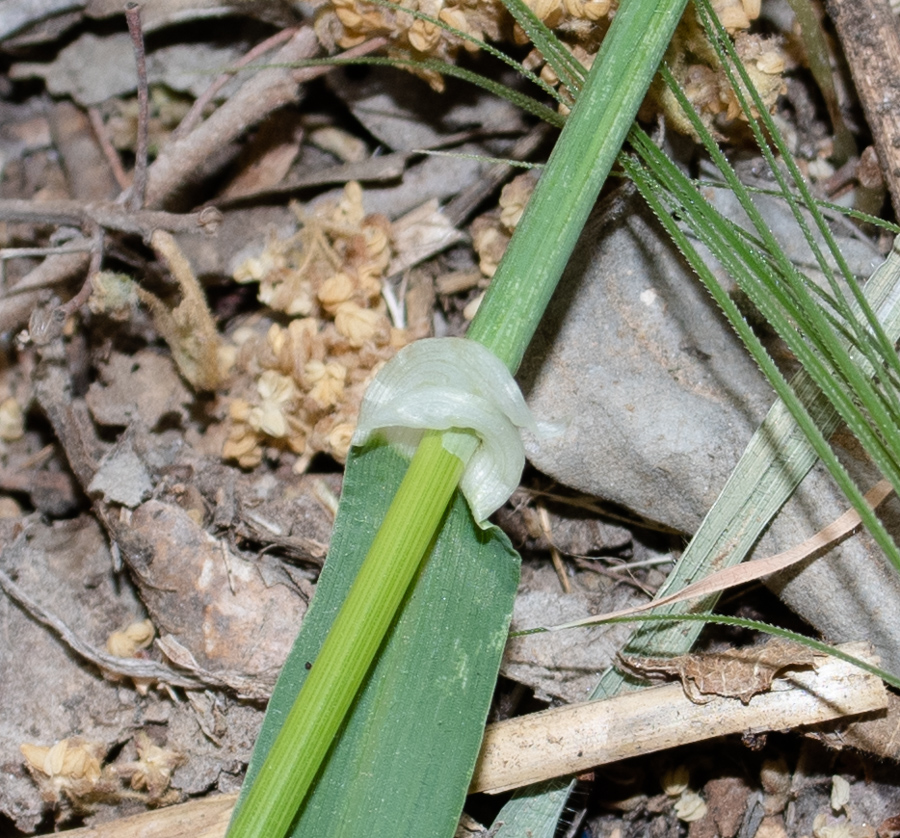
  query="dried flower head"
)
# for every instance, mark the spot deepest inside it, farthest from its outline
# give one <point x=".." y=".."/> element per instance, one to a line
<point x="70" y="769"/>
<point x="696" y="67"/>
<point x="131" y="639"/>
<point x="303" y="381"/>
<point x="153" y="769"/>
<point x="12" y="421"/>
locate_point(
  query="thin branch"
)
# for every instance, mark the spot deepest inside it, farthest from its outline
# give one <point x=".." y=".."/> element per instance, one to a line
<point x="109" y="151"/>
<point x="109" y="216"/>
<point x="138" y="189"/>
<point x="194" y="116"/>
<point x="84" y="293"/>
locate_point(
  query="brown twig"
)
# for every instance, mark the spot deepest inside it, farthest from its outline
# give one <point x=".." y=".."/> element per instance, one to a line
<point x="107" y="215"/>
<point x="129" y="667"/>
<point x="84" y="292"/>
<point x="195" y="114"/>
<point x="109" y="151"/>
<point x="135" y="199"/>
<point x="559" y="567"/>
<point x="20" y="301"/>
<point x="190" y="158"/>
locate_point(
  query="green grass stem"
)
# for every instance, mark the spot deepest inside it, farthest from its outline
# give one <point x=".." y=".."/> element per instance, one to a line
<point x="568" y="188"/>
<point x="351" y="645"/>
<point x="505" y="323"/>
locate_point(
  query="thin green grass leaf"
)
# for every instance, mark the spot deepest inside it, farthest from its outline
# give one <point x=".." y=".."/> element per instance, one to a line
<point x="824" y="206"/>
<point x="519" y="164"/>
<point x="515" y="97"/>
<point x="567" y="68"/>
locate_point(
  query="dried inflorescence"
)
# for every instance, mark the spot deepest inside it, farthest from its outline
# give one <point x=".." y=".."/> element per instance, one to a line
<point x="126" y="642"/>
<point x="696" y="67"/>
<point x="72" y="771"/>
<point x="303" y="380"/>
<point x="131" y="642"/>
<point x="581" y="26"/>
<point x="492" y="231"/>
<point x="152" y="770"/>
<point x="346" y="23"/>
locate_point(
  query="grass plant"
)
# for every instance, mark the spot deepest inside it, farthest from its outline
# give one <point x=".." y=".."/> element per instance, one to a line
<point x="289" y="760"/>
<point x="301" y="781"/>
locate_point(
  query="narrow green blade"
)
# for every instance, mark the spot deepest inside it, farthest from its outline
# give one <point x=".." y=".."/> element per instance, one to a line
<point x="403" y="761"/>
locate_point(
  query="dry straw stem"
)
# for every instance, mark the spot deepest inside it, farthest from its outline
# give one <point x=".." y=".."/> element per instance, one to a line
<point x="574" y="738"/>
<point x="571" y="739"/>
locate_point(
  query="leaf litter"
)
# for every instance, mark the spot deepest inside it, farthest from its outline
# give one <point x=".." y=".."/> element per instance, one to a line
<point x="168" y="457"/>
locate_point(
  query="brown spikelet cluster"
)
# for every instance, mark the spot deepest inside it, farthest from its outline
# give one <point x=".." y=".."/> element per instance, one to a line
<point x="581" y="25"/>
<point x="695" y="65"/>
<point x="304" y="376"/>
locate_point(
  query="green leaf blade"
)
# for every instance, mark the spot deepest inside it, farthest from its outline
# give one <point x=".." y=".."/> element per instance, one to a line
<point x="410" y="741"/>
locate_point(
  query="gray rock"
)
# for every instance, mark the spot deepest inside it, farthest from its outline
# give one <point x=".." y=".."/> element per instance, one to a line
<point x="659" y="398"/>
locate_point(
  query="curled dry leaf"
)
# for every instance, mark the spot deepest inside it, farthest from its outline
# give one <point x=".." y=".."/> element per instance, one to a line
<point x="737" y="673"/>
<point x="188" y="328"/>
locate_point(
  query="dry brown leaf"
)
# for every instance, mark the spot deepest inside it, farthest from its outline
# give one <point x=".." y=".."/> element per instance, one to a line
<point x="736" y="673"/>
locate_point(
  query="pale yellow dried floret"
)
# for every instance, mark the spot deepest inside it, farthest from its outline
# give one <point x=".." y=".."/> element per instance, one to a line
<point x="243" y="445"/>
<point x="588" y="9"/>
<point x="358" y="324"/>
<point x="424" y="35"/>
<point x="336" y="290"/>
<point x="458" y="19"/>
<point x="489" y="239"/>
<point x="134" y="637"/>
<point x="732" y="15"/>
<point x="327" y="382"/>
<point x="278" y="394"/>
<point x="339" y="439"/>
<point x="514" y="198"/>
<point x="549" y="11"/>
<point x="12" y="420"/>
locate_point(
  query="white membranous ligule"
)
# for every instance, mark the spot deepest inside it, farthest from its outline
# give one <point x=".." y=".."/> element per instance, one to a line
<point x="459" y="386"/>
